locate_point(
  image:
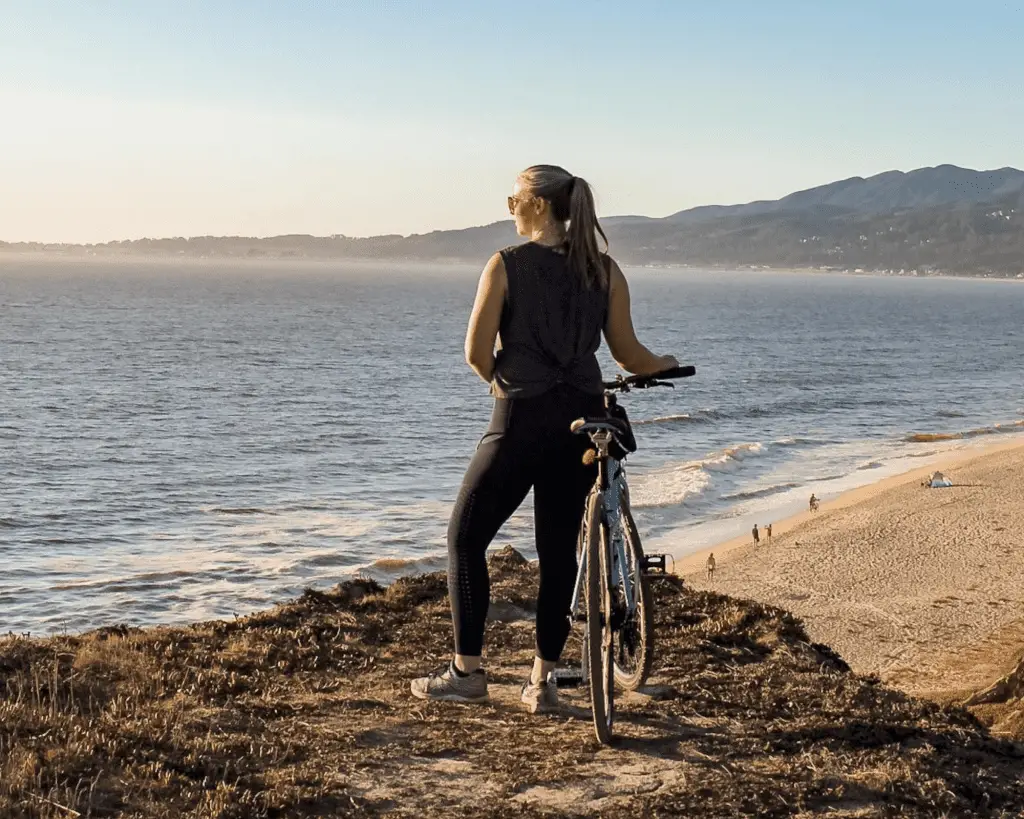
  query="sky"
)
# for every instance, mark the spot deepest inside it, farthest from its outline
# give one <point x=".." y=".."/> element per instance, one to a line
<point x="128" y="118"/>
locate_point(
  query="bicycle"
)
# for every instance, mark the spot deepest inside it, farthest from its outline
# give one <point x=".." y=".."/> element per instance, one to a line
<point x="618" y="639"/>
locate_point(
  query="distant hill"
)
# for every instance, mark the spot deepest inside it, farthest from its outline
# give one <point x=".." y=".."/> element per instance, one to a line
<point x="943" y="219"/>
<point x="883" y="193"/>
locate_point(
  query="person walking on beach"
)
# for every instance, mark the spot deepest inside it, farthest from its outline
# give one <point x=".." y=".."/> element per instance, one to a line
<point x="548" y="301"/>
<point x="756" y="534"/>
<point x="768" y="532"/>
<point x="813" y="503"/>
<point x="711" y="567"/>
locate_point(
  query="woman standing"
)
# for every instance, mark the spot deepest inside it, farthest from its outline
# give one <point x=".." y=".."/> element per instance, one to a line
<point x="548" y="300"/>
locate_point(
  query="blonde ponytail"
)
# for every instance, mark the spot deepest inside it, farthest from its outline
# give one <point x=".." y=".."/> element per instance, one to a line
<point x="572" y="201"/>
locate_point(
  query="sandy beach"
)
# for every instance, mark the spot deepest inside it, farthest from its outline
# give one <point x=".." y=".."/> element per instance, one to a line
<point x="923" y="587"/>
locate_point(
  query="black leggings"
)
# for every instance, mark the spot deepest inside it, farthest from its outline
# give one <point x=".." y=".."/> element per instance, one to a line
<point x="528" y="444"/>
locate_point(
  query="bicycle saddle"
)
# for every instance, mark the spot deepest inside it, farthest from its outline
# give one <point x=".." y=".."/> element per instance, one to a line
<point x="619" y="427"/>
<point x="616" y="426"/>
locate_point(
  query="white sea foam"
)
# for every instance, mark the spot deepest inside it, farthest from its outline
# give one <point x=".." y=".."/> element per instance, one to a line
<point x="673" y="483"/>
<point x="663" y="419"/>
<point x="284" y="527"/>
<point x="728" y="459"/>
<point x="667" y="485"/>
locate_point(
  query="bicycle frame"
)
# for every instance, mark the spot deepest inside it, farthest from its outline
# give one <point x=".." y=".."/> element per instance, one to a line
<point x="612" y="491"/>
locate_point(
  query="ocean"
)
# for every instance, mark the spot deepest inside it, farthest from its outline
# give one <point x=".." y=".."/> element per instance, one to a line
<point x="185" y="441"/>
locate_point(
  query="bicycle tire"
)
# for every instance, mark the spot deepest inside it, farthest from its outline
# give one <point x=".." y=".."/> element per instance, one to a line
<point x="637" y="633"/>
<point x="599" y="625"/>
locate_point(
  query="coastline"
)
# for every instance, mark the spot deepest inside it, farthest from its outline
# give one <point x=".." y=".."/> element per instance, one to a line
<point x="691" y="562"/>
<point x="52" y="256"/>
<point x="922" y="587"/>
<point x="254" y="262"/>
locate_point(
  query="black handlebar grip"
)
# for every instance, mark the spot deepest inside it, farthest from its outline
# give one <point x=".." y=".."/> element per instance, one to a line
<point x="677" y="372"/>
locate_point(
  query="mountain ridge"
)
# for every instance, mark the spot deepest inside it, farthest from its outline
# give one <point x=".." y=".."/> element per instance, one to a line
<point x="942" y="219"/>
<point x="884" y="192"/>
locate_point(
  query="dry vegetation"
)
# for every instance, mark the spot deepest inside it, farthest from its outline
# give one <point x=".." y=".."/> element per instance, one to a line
<point x="304" y="711"/>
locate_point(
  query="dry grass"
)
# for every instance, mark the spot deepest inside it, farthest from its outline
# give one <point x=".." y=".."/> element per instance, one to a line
<point x="304" y="711"/>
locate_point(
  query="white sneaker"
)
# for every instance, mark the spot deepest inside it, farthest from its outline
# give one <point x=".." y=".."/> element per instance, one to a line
<point x="445" y="683"/>
<point x="542" y="698"/>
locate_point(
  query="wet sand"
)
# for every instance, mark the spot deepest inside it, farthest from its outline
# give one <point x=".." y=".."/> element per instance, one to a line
<point x="923" y="587"/>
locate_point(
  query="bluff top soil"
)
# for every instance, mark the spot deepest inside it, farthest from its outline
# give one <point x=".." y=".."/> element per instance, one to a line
<point x="304" y="711"/>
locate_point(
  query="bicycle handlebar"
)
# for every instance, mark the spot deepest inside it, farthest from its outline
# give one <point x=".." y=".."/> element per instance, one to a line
<point x="642" y="382"/>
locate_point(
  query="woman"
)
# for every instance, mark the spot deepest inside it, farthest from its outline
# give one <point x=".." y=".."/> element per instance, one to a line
<point x="549" y="300"/>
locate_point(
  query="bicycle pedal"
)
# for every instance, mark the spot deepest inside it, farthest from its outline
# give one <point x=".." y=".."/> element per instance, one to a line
<point x="655" y="564"/>
<point x="567" y="677"/>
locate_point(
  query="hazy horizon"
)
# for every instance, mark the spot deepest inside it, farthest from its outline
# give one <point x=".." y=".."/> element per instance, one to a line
<point x="138" y="120"/>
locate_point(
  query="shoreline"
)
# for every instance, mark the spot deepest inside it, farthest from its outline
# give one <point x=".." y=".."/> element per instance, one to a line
<point x="389" y="569"/>
<point x="725" y="550"/>
<point x="922" y="587"/>
<point x="50" y="256"/>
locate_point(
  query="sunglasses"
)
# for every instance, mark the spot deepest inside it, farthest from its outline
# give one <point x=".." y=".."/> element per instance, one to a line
<point x="515" y="200"/>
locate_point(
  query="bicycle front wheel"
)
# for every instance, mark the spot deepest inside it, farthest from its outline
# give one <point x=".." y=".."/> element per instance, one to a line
<point x="599" y="621"/>
<point x="634" y="641"/>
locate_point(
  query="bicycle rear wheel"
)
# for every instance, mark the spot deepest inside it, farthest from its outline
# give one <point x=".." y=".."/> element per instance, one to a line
<point x="634" y="641"/>
<point x="599" y="621"/>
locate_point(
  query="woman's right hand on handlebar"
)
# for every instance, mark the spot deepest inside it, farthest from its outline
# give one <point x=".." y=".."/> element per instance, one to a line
<point x="656" y="364"/>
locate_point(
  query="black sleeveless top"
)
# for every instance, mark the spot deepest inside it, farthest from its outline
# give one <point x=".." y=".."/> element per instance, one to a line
<point x="550" y="325"/>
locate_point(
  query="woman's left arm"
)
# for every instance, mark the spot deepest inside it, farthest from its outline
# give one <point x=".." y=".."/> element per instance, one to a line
<point x="486" y="318"/>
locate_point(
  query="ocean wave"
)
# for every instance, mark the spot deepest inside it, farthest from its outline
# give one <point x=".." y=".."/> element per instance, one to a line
<point x="8" y="523"/>
<point x="869" y="465"/>
<point x="284" y="527"/>
<point x="666" y="419"/>
<point x="135" y="582"/>
<point x="668" y="486"/>
<point x="240" y="510"/>
<point x="389" y="569"/>
<point x="671" y="485"/>
<point x="822" y="478"/>
<point x="760" y="493"/>
<point x="699" y="417"/>
<point x="726" y="460"/>
<point x="995" y="429"/>
<point x="944" y="413"/>
<point x="327" y="558"/>
<point x="805" y="406"/>
<point x="794" y="442"/>
<point x="799" y="407"/>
